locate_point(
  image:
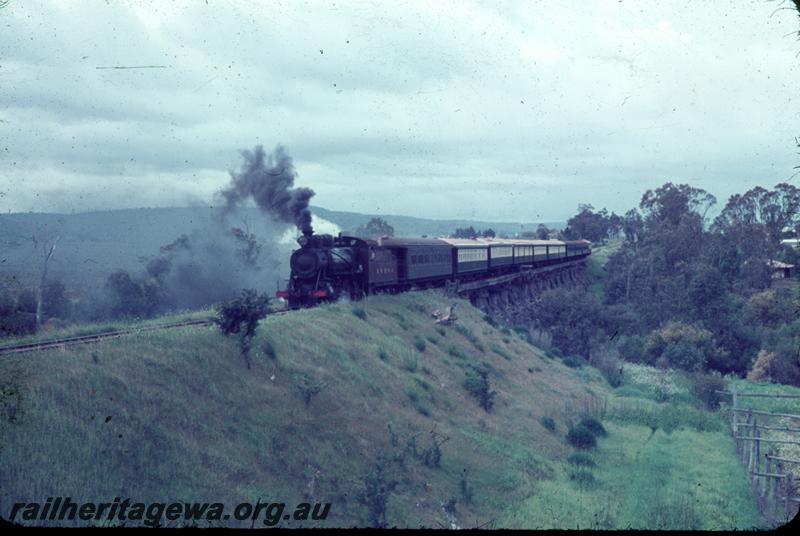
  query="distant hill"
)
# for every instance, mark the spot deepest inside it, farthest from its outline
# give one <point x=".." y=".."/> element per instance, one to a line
<point x="412" y="227"/>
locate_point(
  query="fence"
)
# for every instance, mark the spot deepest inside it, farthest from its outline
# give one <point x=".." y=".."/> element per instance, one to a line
<point x="773" y="476"/>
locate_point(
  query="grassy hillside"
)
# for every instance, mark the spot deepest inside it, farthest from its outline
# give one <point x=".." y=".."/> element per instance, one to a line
<point x="344" y="398"/>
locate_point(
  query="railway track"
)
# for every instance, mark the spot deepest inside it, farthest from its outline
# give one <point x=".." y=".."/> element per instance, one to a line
<point x="96" y="337"/>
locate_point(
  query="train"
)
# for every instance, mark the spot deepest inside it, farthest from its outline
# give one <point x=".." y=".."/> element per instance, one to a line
<point x="326" y="268"/>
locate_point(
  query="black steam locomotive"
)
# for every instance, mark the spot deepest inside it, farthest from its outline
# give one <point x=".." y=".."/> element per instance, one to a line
<point x="326" y="268"/>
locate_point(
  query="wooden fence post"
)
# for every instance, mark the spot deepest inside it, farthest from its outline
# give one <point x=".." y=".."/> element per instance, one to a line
<point x="788" y="488"/>
<point x="768" y="502"/>
<point x="745" y="445"/>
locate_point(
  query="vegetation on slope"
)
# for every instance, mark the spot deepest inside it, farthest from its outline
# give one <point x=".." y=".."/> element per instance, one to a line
<point x="347" y="400"/>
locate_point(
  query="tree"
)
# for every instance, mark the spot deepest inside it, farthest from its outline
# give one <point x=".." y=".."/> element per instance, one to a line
<point x="591" y="225"/>
<point x="54" y="301"/>
<point x="465" y="232"/>
<point x="632" y="225"/>
<point x="131" y="298"/>
<point x="488" y="233"/>
<point x="670" y="203"/>
<point x="374" y="228"/>
<point x="17" y="314"/>
<point x="542" y="232"/>
<point x="754" y="220"/>
<point x="573" y="318"/>
<point x="240" y="317"/>
<point x="48" y="248"/>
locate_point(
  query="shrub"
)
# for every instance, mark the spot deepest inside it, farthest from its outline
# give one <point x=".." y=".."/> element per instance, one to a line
<point x="549" y="423"/>
<point x="477" y="383"/>
<point x="410" y="361"/>
<point x="705" y="387"/>
<point x="684" y="355"/>
<point x="594" y="426"/>
<point x="269" y="350"/>
<point x="454" y="351"/>
<point x="581" y="437"/>
<point x="489" y="320"/>
<point x="605" y="360"/>
<point x="419" y="343"/>
<point x="581" y="459"/>
<point x="632" y="349"/>
<point x="308" y="388"/>
<point x="377" y="488"/>
<point x="467" y="333"/>
<point x="572" y="317"/>
<point x="383" y="355"/>
<point x="683" y="346"/>
<point x="240" y="316"/>
<point x="499" y="351"/>
<point x="360" y="313"/>
<point x="778" y="363"/>
<point x="573" y="361"/>
<point x="582" y="477"/>
<point x="432" y="456"/>
<point x="555" y="351"/>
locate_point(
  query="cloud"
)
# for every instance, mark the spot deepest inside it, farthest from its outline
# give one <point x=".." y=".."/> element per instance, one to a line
<point x="507" y="111"/>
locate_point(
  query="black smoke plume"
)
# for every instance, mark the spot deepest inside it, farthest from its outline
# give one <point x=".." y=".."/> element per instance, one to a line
<point x="270" y="184"/>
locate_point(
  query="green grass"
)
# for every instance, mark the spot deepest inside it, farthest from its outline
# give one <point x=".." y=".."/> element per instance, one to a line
<point x="678" y="481"/>
<point x="190" y="422"/>
<point x="594" y="266"/>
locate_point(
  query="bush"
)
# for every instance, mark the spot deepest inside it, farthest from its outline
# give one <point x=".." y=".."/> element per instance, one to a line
<point x="467" y="333"/>
<point x="308" y="388"/>
<point x="555" y="351"/>
<point x="684" y="355"/>
<point x="581" y="459"/>
<point x="549" y="423"/>
<point x="477" y="383"/>
<point x="594" y="426"/>
<point x="454" y="351"/>
<point x="605" y="360"/>
<point x="705" y="387"/>
<point x="241" y="316"/>
<point x="375" y="493"/>
<point x="581" y="437"/>
<point x="419" y="343"/>
<point x="269" y="350"/>
<point x="360" y="313"/>
<point x="489" y="320"/>
<point x="573" y="361"/>
<point x="410" y="362"/>
<point x="571" y="316"/>
<point x="522" y="331"/>
<point x="632" y="349"/>
<point x="582" y="477"/>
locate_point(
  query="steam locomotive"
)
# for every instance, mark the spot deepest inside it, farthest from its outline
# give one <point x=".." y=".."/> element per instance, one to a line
<point x="326" y="268"/>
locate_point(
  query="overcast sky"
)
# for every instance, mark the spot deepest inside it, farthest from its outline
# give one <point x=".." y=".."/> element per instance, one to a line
<point x="512" y="111"/>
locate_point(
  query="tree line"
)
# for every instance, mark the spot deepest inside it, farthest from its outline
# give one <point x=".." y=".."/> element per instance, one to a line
<point x="688" y="293"/>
